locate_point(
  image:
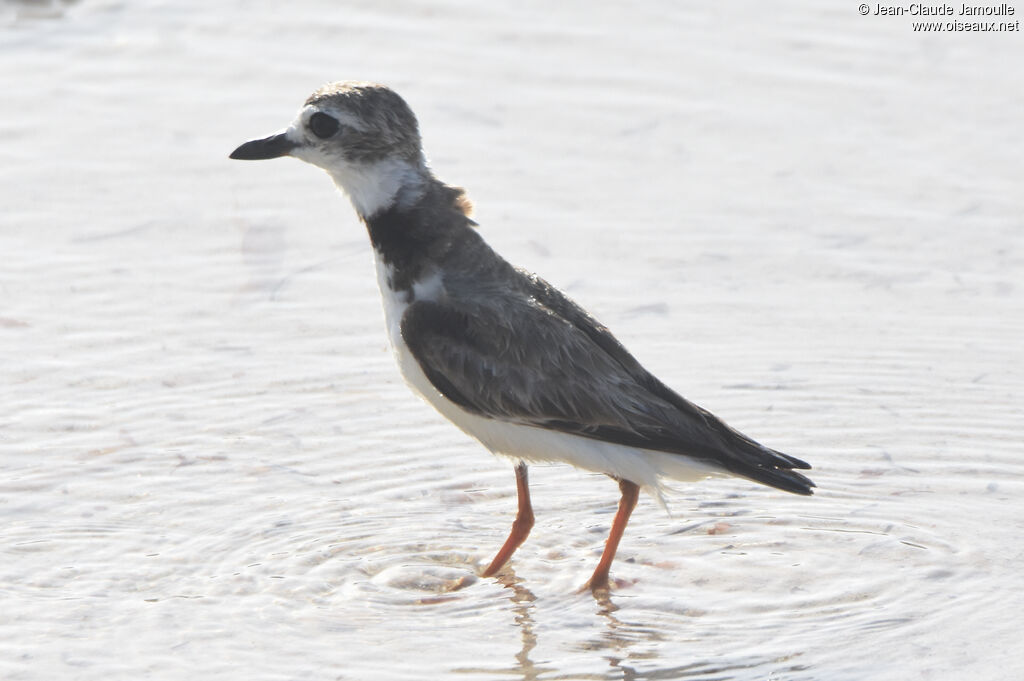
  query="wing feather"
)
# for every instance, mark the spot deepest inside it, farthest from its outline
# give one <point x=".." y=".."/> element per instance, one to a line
<point x="532" y="356"/>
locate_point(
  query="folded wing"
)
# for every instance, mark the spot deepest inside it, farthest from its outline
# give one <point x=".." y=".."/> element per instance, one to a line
<point x="539" y="359"/>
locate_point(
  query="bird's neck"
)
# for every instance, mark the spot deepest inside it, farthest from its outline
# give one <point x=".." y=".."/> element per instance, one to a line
<point x="415" y="238"/>
<point x="382" y="185"/>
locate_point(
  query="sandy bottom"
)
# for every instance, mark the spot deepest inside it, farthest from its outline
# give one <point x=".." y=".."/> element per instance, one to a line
<point x="805" y="220"/>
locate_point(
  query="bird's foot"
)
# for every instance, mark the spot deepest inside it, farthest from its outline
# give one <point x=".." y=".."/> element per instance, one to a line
<point x="602" y="587"/>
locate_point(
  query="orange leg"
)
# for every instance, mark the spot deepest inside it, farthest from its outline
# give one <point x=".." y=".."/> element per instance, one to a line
<point x="520" y="528"/>
<point x="630" y="494"/>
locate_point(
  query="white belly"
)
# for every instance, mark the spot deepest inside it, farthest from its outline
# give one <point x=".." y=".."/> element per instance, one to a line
<point x="529" y="443"/>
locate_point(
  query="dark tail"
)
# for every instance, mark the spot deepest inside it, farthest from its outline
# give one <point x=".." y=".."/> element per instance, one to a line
<point x="756" y="462"/>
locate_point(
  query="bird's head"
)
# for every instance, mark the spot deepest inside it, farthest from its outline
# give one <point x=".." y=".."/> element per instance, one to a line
<point x="364" y="135"/>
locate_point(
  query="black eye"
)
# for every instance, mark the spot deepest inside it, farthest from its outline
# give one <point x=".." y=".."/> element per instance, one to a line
<point x="322" y="125"/>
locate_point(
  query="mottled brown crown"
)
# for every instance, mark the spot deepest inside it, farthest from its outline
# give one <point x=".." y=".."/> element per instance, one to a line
<point x="390" y="127"/>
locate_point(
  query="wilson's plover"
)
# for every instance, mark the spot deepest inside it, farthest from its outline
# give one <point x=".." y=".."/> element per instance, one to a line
<point x="501" y="353"/>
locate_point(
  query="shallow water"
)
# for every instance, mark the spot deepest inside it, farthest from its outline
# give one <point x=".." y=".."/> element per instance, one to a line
<point x="805" y="220"/>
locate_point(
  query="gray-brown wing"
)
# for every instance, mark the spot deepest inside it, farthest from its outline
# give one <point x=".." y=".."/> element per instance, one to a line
<point x="539" y="359"/>
<point x="526" y="364"/>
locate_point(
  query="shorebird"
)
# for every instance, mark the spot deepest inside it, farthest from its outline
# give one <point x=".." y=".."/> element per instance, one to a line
<point x="505" y="356"/>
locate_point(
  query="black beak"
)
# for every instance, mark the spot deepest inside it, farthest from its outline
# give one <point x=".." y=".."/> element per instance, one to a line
<point x="268" y="147"/>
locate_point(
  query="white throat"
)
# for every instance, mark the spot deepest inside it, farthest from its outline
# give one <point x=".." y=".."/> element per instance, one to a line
<point x="376" y="186"/>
